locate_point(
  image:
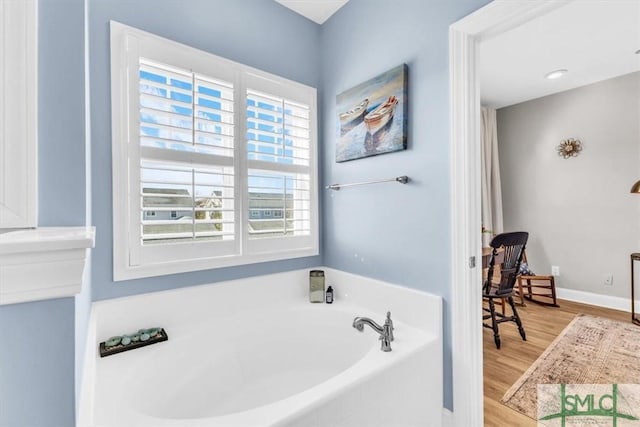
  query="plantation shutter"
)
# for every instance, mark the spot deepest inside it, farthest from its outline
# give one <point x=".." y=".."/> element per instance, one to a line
<point x="279" y="166"/>
<point x="186" y="156"/>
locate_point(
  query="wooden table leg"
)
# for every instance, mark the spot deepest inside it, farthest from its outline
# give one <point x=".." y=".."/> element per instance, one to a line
<point x="634" y="318"/>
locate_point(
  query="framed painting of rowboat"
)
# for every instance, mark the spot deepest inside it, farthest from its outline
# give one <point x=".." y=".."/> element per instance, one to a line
<point x="372" y="117"/>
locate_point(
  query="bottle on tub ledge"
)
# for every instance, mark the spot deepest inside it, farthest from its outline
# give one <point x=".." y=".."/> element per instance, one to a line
<point x="316" y="286"/>
<point x="328" y="297"/>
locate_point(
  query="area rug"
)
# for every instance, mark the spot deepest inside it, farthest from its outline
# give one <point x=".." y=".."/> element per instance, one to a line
<point x="590" y="350"/>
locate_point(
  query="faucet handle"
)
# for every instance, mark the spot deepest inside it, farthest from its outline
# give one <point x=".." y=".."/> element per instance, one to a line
<point x="389" y="323"/>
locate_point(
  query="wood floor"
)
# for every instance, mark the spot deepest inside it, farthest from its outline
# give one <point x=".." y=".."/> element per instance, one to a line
<point x="503" y="367"/>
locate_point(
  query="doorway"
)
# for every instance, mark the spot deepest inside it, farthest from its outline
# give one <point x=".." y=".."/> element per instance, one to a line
<point x="493" y="19"/>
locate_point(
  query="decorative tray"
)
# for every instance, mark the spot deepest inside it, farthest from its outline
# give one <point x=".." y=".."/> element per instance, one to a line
<point x="139" y="339"/>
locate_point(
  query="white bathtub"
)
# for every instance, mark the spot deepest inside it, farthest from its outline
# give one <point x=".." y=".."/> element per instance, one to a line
<point x="254" y="352"/>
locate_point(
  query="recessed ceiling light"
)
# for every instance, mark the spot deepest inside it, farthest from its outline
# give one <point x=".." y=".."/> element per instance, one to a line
<point x="556" y="74"/>
<point x="638" y="52"/>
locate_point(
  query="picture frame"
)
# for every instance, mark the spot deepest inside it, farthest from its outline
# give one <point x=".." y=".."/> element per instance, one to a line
<point x="372" y="116"/>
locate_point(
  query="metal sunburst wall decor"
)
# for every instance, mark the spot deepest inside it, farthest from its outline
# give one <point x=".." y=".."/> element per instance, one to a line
<point x="569" y="148"/>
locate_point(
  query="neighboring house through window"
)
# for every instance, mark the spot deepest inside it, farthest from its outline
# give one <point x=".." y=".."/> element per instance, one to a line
<point x="214" y="161"/>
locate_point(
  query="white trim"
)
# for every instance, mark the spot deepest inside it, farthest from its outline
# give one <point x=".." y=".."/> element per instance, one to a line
<point x="85" y="409"/>
<point x="18" y="114"/>
<point x="465" y="209"/>
<point x="599" y="300"/>
<point x="466" y="330"/>
<point x="501" y="16"/>
<point x="184" y="266"/>
<point x="44" y="263"/>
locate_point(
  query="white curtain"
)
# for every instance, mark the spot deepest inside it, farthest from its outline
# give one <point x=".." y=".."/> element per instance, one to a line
<point x="490" y="180"/>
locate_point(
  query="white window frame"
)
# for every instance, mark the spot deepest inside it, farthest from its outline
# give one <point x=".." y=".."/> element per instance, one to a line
<point x="132" y="259"/>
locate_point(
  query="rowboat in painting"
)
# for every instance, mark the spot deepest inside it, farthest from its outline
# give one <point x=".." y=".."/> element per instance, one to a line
<point x="354" y="113"/>
<point x="378" y="118"/>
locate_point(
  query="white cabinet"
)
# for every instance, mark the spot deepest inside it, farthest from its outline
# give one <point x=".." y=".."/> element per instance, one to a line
<point x="18" y="113"/>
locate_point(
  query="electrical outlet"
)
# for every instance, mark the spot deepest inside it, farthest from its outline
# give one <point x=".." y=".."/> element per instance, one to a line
<point x="608" y="280"/>
<point x="555" y="270"/>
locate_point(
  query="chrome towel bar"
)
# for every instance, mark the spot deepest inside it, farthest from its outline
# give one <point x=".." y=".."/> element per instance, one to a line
<point x="401" y="179"/>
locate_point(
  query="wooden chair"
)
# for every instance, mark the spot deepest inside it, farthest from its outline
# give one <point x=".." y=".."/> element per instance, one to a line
<point x="513" y="245"/>
<point x="530" y="286"/>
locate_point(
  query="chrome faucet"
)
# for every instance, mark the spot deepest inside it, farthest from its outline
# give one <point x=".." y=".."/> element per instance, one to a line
<point x="385" y="331"/>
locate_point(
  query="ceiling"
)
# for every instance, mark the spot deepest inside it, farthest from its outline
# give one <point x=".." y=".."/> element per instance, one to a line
<point x="316" y="10"/>
<point x="594" y="40"/>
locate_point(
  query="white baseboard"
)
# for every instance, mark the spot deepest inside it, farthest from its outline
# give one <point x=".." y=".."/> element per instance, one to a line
<point x="607" y="301"/>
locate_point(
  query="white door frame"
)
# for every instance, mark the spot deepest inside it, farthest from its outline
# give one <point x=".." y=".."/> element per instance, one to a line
<point x="495" y="18"/>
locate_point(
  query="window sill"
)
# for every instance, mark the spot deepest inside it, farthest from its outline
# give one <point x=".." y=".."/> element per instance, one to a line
<point x="190" y="265"/>
<point x="43" y="263"/>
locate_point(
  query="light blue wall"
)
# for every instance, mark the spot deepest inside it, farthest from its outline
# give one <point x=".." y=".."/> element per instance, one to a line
<point x="36" y="364"/>
<point x="37" y="350"/>
<point x="261" y="34"/>
<point x="398" y="233"/>
<point x="61" y="108"/>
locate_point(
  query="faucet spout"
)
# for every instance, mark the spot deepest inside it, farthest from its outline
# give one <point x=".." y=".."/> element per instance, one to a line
<point x="385" y="331"/>
<point x="359" y="323"/>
